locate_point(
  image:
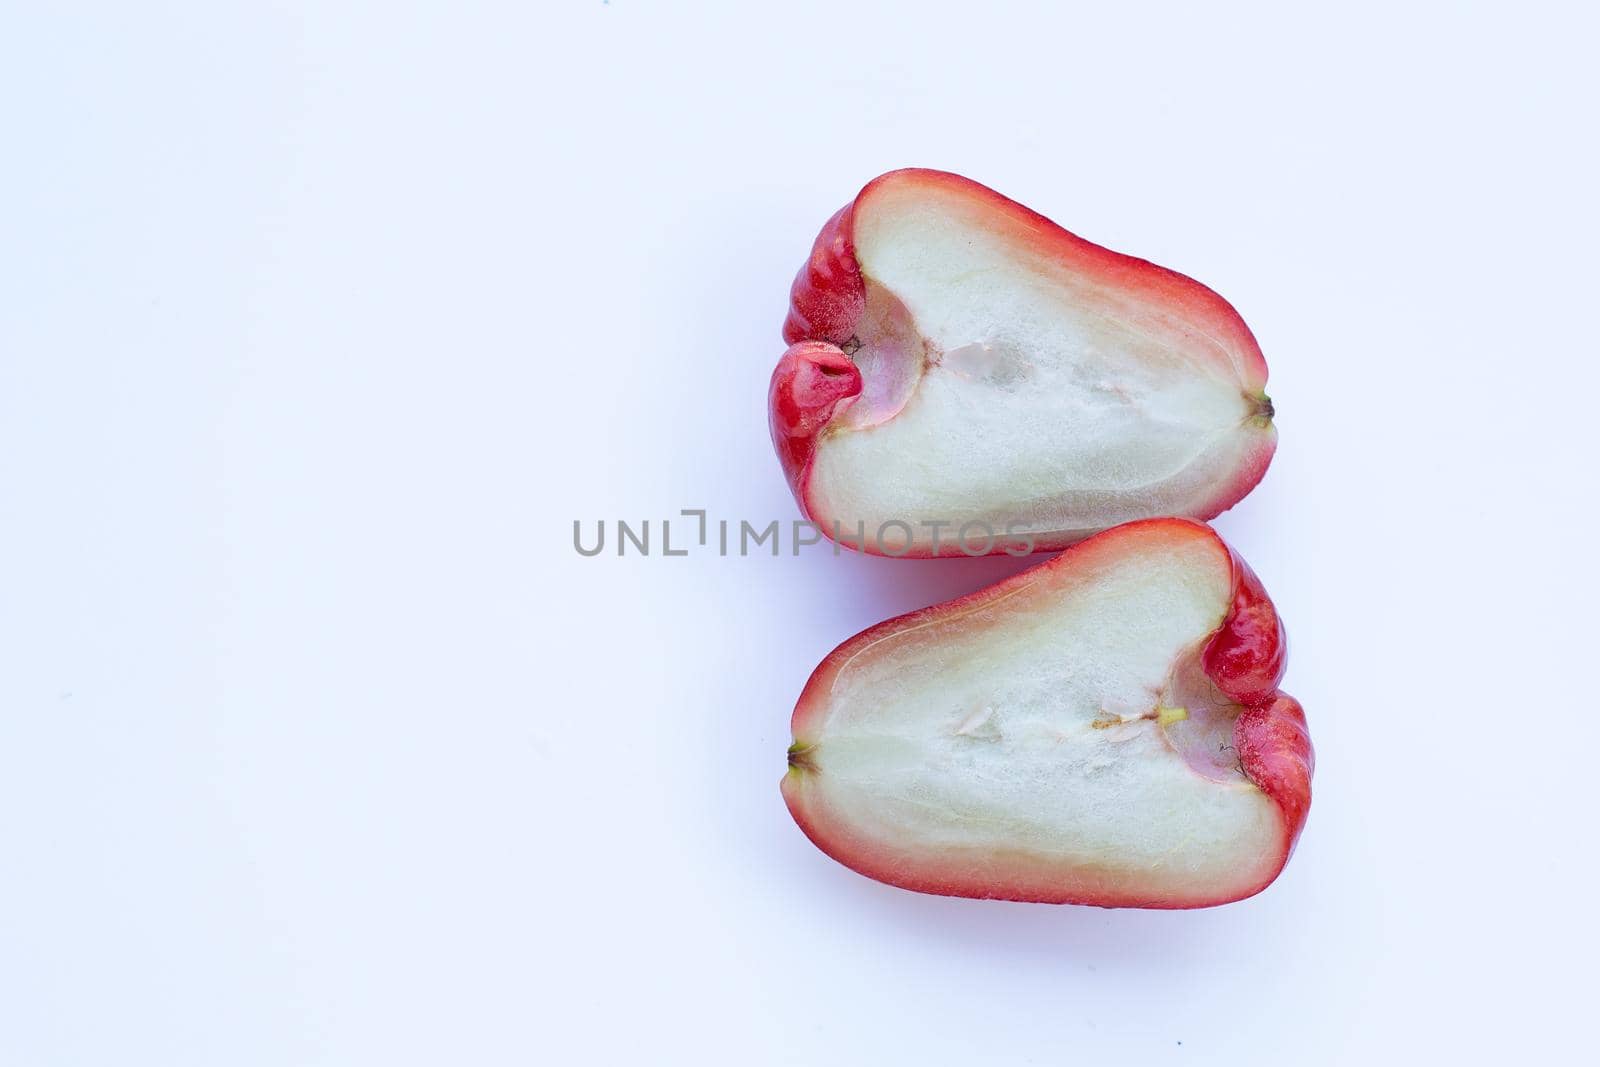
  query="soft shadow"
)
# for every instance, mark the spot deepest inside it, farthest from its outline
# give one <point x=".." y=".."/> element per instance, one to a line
<point x="1046" y="937"/>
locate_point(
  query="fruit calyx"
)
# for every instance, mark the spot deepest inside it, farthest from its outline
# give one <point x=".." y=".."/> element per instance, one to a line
<point x="1261" y="409"/>
<point x="800" y="757"/>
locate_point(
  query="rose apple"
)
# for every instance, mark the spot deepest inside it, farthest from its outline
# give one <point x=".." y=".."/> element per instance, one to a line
<point x="1105" y="728"/>
<point x="958" y="360"/>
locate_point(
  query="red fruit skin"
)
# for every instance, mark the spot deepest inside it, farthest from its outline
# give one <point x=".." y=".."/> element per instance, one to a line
<point x="828" y="299"/>
<point x="1247" y="656"/>
<point x="1246" y="659"/>
<point x="1275" y="752"/>
<point x="1270" y="735"/>
<point x="828" y="295"/>
<point x="825" y="303"/>
<point x="811" y="380"/>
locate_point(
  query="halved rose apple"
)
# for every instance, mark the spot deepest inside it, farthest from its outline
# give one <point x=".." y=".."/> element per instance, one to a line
<point x="1105" y="728"/>
<point x="958" y="359"/>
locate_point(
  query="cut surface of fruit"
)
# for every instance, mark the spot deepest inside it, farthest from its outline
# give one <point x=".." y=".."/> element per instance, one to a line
<point x="1104" y="729"/>
<point x="1003" y="371"/>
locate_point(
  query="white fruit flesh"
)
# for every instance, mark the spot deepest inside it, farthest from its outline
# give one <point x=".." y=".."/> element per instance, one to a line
<point x="1020" y="740"/>
<point x="1004" y="385"/>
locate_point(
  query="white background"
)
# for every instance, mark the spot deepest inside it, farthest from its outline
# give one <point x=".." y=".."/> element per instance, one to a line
<point x="321" y="323"/>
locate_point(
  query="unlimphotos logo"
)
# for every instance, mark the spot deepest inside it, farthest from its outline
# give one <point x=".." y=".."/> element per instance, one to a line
<point x="728" y="537"/>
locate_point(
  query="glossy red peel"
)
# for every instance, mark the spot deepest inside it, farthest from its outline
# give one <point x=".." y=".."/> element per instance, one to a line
<point x="942" y="751"/>
<point x="810" y="381"/>
<point x="828" y="295"/>
<point x="1248" y="655"/>
<point x="1014" y="372"/>
<point x="1275" y="752"/>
